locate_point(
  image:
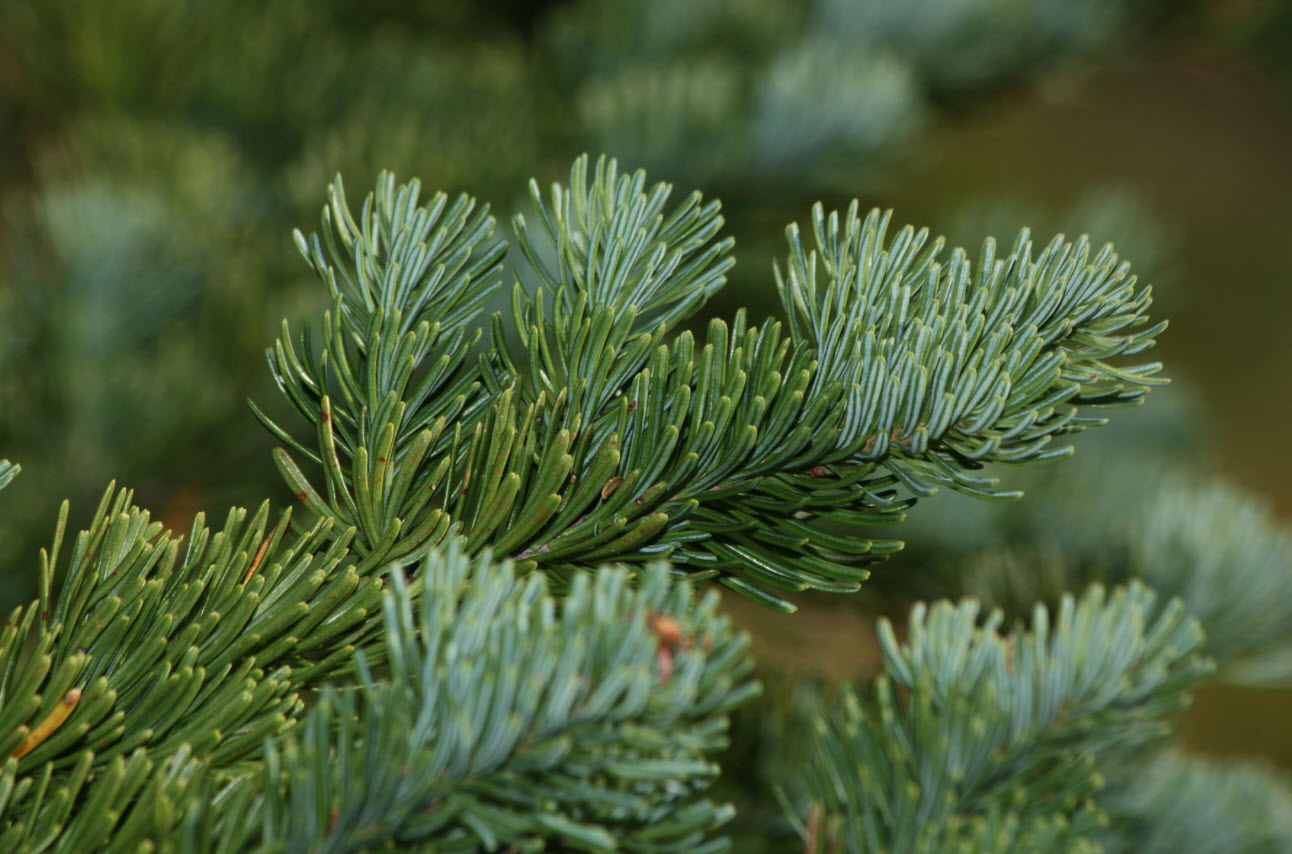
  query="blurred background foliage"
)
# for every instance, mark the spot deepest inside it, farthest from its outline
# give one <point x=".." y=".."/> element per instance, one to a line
<point x="155" y="154"/>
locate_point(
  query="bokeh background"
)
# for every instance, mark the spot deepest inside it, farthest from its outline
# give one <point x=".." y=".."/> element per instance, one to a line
<point x="155" y="155"/>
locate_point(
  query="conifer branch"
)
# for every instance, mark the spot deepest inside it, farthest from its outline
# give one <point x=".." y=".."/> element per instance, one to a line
<point x="737" y="457"/>
<point x="157" y="646"/>
<point x="507" y="721"/>
<point x="189" y="671"/>
<point x="973" y="738"/>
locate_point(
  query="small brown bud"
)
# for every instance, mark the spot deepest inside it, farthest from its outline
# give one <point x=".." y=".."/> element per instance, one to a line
<point x="610" y="486"/>
<point x="666" y="628"/>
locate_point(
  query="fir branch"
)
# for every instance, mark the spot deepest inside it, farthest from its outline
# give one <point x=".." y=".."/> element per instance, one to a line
<point x="508" y="719"/>
<point x="972" y="736"/>
<point x="613" y="701"/>
<point x="155" y="648"/>
<point x="738" y="458"/>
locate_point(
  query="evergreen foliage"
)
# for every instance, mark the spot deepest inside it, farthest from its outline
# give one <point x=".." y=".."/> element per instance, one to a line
<point x="485" y="635"/>
<point x="507" y="720"/>
<point x="606" y="441"/>
<point x="536" y="492"/>
<point x="974" y="741"/>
